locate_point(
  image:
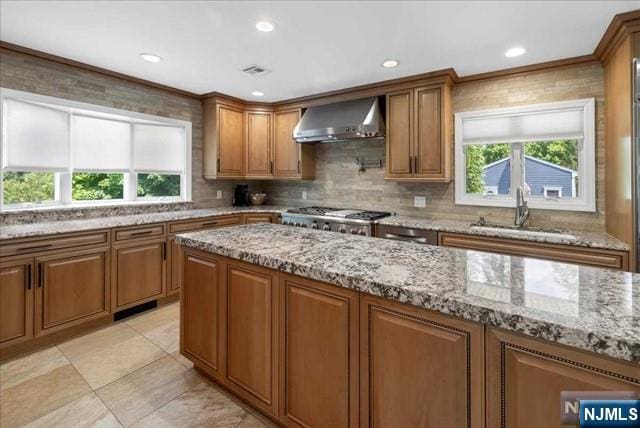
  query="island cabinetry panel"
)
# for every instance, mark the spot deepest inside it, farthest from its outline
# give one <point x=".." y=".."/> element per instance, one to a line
<point x="138" y="272"/>
<point x="202" y="312"/>
<point x="419" y="368"/>
<point x="561" y="253"/>
<point x="72" y="287"/>
<point x="319" y="355"/>
<point x="174" y="255"/>
<point x="525" y="377"/>
<point x="251" y="334"/>
<point x="16" y="301"/>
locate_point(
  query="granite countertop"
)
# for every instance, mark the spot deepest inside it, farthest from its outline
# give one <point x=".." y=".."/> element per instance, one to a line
<point x="583" y="239"/>
<point x="15" y="231"/>
<point x="592" y="309"/>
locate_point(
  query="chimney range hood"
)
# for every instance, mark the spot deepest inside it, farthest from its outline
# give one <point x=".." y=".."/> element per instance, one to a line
<point x="348" y="120"/>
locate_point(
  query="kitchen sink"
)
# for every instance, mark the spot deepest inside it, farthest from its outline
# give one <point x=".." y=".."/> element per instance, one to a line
<point x="525" y="231"/>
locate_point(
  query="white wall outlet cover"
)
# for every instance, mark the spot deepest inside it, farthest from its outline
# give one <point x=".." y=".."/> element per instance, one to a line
<point x="304" y="194"/>
<point x="419" y="201"/>
<point x="219" y="194"/>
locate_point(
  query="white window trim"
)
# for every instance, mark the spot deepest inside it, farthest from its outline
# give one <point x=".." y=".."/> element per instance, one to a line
<point x="63" y="179"/>
<point x="586" y="162"/>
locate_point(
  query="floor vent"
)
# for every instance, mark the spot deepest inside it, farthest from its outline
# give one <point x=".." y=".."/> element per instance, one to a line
<point x="126" y="313"/>
<point x="256" y="70"/>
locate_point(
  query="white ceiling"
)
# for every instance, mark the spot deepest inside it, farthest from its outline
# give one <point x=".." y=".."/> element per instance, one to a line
<point x="316" y="46"/>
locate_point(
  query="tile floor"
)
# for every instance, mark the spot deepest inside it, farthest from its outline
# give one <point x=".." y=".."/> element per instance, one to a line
<point x="128" y="374"/>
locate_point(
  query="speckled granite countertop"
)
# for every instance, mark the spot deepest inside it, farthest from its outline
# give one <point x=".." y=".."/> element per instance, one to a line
<point x="593" y="309"/>
<point x="66" y="226"/>
<point x="583" y="239"/>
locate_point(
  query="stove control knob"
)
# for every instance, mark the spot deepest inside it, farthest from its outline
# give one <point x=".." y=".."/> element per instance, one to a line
<point x="342" y="229"/>
<point x="304" y="225"/>
<point x="362" y="232"/>
<point x="297" y="224"/>
<point x="314" y="225"/>
<point x="353" y="231"/>
<point x="286" y="223"/>
<point x="326" y="227"/>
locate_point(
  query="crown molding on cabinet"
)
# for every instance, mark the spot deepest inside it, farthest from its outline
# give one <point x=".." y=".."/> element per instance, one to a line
<point x="621" y="25"/>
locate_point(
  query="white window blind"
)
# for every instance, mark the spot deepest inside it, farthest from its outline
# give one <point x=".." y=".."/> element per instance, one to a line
<point x="158" y="148"/>
<point x="37" y="137"/>
<point x="534" y="126"/>
<point x="101" y="144"/>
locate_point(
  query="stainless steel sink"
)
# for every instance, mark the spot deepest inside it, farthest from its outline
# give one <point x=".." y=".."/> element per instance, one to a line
<point x="525" y="231"/>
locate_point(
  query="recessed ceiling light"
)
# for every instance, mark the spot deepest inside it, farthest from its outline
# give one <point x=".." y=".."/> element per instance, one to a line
<point x="390" y="63"/>
<point x="257" y="93"/>
<point x="150" y="57"/>
<point x="514" y="52"/>
<point x="264" y="26"/>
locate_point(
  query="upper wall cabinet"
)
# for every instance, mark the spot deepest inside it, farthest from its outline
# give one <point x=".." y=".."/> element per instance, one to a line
<point x="419" y="134"/>
<point x="253" y="142"/>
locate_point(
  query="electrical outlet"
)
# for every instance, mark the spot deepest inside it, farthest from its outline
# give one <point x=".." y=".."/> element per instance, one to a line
<point x="419" y="201"/>
<point x="219" y="194"/>
<point x="304" y="195"/>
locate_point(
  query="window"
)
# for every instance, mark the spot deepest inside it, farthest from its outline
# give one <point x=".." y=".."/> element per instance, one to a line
<point x="59" y="152"/>
<point x="548" y="150"/>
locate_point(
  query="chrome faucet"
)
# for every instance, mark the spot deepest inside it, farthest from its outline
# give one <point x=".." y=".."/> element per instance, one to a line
<point x="522" y="210"/>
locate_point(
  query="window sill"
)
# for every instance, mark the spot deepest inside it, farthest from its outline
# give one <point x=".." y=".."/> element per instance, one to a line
<point x="548" y="204"/>
<point x="97" y="205"/>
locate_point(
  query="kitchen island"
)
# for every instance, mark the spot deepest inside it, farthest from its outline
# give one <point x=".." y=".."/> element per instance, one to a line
<point x="324" y="329"/>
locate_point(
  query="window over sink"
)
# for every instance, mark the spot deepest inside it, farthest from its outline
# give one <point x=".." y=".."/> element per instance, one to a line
<point x="547" y="149"/>
<point x="57" y="152"/>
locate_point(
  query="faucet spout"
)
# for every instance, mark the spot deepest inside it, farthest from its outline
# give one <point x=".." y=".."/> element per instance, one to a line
<point x="522" y="210"/>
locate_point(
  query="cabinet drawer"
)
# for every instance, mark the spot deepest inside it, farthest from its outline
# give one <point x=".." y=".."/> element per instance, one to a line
<point x="47" y="244"/>
<point x="258" y="218"/>
<point x="150" y="231"/>
<point x="561" y="253"/>
<point x="205" y="223"/>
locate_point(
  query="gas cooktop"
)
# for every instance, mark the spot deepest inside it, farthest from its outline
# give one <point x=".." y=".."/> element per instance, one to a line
<point x="351" y="214"/>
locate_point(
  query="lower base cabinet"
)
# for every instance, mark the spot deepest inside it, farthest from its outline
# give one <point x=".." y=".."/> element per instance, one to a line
<point x="16" y="301"/>
<point x="318" y="354"/>
<point x="419" y="368"/>
<point x="525" y="378"/>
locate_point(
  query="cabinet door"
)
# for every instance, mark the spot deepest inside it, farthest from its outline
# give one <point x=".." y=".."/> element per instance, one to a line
<point x="251" y="369"/>
<point x="525" y="378"/>
<point x="201" y="316"/>
<point x="174" y="266"/>
<point x="287" y="153"/>
<point x="399" y="134"/>
<point x="258" y="148"/>
<point x="230" y="141"/>
<point x="428" y="145"/>
<point x="16" y="301"/>
<point x="319" y="352"/>
<point x="71" y="288"/>
<point x="419" y="368"/>
<point x="138" y="273"/>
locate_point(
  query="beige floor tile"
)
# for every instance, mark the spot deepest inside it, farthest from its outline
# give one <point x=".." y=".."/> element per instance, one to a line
<point x="106" y="364"/>
<point x="86" y="411"/>
<point x="166" y="337"/>
<point x="28" y="367"/>
<point x="147" y="389"/>
<point x="182" y="359"/>
<point x="201" y="406"/>
<point x="156" y="318"/>
<point x="40" y="395"/>
<point x="101" y="339"/>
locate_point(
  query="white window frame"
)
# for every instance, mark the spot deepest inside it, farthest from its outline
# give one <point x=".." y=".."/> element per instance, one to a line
<point x="63" y="180"/>
<point x="552" y="188"/>
<point x="586" y="160"/>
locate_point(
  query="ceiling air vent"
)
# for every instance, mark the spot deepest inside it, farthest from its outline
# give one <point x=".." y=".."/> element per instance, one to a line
<point x="256" y="70"/>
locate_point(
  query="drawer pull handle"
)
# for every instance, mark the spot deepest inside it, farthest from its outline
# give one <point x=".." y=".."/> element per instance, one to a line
<point x="144" y="232"/>
<point x="211" y="223"/>
<point x="41" y="272"/>
<point x="29" y="276"/>
<point x="34" y="247"/>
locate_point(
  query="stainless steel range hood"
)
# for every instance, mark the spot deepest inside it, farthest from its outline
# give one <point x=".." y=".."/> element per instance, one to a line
<point x="349" y="120"/>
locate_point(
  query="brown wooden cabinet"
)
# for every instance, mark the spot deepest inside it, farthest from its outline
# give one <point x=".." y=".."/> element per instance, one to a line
<point x="597" y="257"/>
<point x="71" y="288"/>
<point x="258" y="144"/>
<point x="138" y="270"/>
<point x="419" y="368"/>
<point x="418" y="134"/>
<point x="525" y="378"/>
<point x="257" y="218"/>
<point x="251" y="334"/>
<point x="202" y="312"/>
<point x="16" y="301"/>
<point x="230" y="132"/>
<point x="291" y="159"/>
<point x="318" y="354"/>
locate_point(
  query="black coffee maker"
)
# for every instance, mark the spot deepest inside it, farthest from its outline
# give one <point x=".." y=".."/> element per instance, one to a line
<point x="241" y="196"/>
